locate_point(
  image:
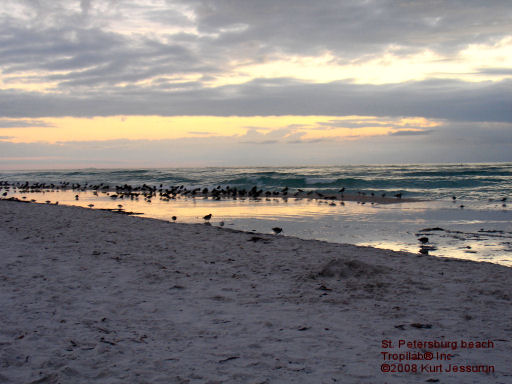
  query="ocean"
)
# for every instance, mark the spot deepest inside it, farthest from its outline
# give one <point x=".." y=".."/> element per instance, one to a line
<point x="476" y="225"/>
<point x="475" y="182"/>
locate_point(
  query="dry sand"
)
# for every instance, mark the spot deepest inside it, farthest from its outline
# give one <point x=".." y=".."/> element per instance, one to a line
<point x="90" y="296"/>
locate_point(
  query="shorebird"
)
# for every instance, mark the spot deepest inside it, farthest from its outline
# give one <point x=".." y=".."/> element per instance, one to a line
<point x="91" y="205"/>
<point x="423" y="240"/>
<point x="174" y="218"/>
<point x="277" y="230"/>
<point x="208" y="217"/>
<point x="398" y="195"/>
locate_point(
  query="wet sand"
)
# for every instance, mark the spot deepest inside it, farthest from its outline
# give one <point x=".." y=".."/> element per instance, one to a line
<point x="479" y="232"/>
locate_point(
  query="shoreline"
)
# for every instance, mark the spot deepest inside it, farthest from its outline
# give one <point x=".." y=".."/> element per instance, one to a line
<point x="167" y="302"/>
<point x="479" y="233"/>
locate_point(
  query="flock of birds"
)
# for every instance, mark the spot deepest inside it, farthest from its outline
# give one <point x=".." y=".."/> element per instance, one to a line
<point x="165" y="194"/>
<point x="148" y="192"/>
<point x="218" y="193"/>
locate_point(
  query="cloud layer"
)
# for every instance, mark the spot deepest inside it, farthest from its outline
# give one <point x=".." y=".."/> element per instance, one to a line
<point x="461" y="142"/>
<point x="87" y="58"/>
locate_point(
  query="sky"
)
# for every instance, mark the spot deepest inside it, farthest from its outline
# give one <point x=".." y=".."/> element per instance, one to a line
<point x="169" y="83"/>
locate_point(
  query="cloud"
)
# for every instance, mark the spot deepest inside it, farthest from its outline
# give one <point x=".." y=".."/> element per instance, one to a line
<point x="408" y="132"/>
<point x="310" y="141"/>
<point x="496" y="71"/>
<point x="353" y="28"/>
<point x="448" y="99"/>
<point x="263" y="142"/>
<point x="22" y="123"/>
<point x="455" y="142"/>
<point x="256" y="135"/>
<point x="200" y="133"/>
<point x="85" y="5"/>
<point x="98" y="45"/>
<point x="360" y="122"/>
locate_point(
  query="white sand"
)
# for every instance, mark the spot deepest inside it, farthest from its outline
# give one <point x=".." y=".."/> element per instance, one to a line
<point x="90" y="296"/>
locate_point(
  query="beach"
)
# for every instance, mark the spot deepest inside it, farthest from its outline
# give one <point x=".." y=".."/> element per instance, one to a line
<point x="465" y="204"/>
<point x="91" y="295"/>
<point x="217" y="192"/>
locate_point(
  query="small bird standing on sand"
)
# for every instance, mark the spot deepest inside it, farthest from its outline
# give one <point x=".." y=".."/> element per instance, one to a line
<point x="423" y="240"/>
<point x="208" y="217"/>
<point x="277" y="230"/>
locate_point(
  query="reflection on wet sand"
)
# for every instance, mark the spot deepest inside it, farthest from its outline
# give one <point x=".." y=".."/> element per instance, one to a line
<point x="390" y="226"/>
